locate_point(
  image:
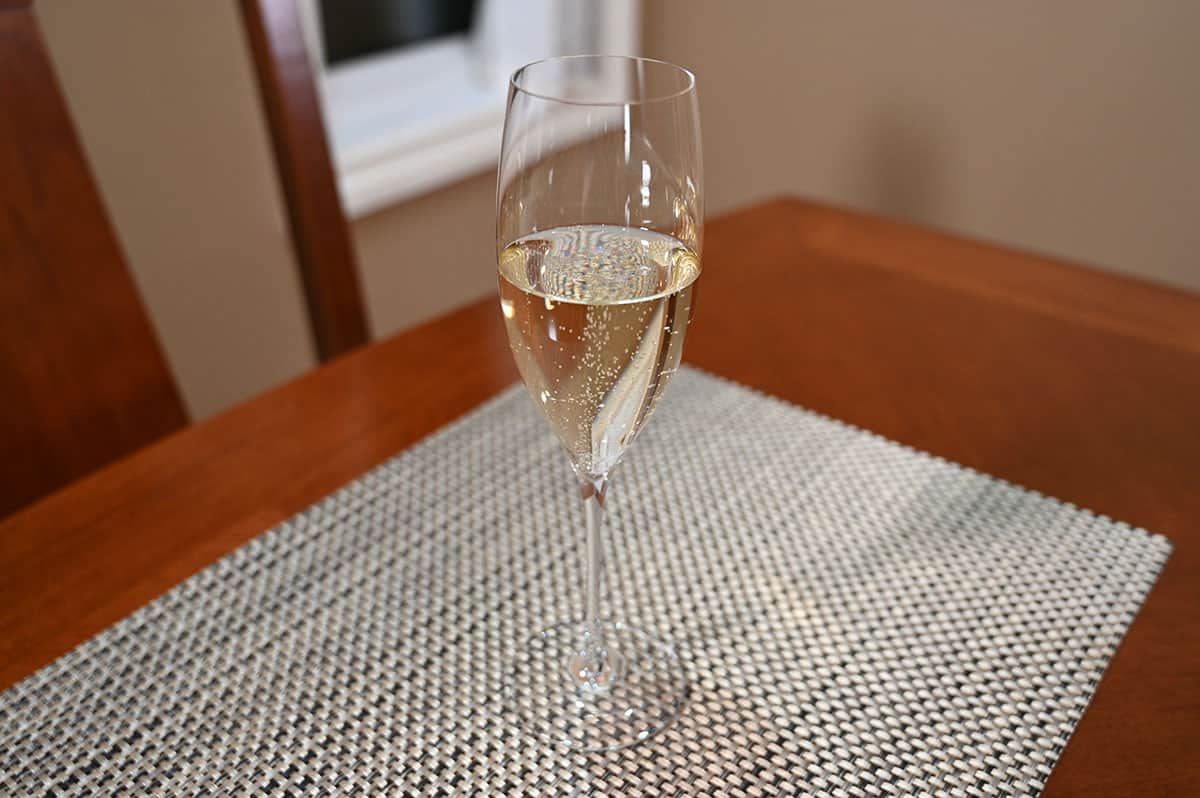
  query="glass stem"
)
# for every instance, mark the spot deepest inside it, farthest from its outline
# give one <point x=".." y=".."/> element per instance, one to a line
<point x="597" y="659"/>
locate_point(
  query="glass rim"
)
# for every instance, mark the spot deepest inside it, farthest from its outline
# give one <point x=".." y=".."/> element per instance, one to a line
<point x="689" y="79"/>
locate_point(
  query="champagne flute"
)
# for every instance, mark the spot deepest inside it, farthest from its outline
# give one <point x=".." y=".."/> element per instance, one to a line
<point x="599" y="227"/>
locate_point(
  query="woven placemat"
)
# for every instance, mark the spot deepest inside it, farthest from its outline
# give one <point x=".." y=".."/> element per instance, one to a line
<point x="856" y="618"/>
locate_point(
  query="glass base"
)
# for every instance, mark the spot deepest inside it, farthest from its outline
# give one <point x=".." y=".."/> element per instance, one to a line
<point x="554" y="695"/>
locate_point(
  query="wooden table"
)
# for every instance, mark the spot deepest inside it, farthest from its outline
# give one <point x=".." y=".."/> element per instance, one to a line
<point x="1080" y="384"/>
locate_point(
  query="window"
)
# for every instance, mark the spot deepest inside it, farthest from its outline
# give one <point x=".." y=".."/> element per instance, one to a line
<point x="355" y="28"/>
<point x="413" y="91"/>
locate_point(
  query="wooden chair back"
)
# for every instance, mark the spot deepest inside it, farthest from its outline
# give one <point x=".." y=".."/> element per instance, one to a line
<point x="82" y="378"/>
<point x="320" y="233"/>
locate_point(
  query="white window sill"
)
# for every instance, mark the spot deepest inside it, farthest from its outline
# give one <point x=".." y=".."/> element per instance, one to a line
<point x="406" y="122"/>
<point x="411" y="162"/>
<point x="394" y="137"/>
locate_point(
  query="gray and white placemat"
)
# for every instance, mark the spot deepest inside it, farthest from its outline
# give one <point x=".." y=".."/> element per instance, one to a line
<point x="856" y="618"/>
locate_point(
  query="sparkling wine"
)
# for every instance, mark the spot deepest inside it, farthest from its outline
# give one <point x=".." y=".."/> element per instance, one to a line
<point x="596" y="317"/>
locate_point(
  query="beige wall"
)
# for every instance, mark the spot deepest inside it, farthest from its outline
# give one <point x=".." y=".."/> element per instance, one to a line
<point x="163" y="95"/>
<point x="1070" y="127"/>
<point x="422" y="258"/>
<point x="171" y="124"/>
